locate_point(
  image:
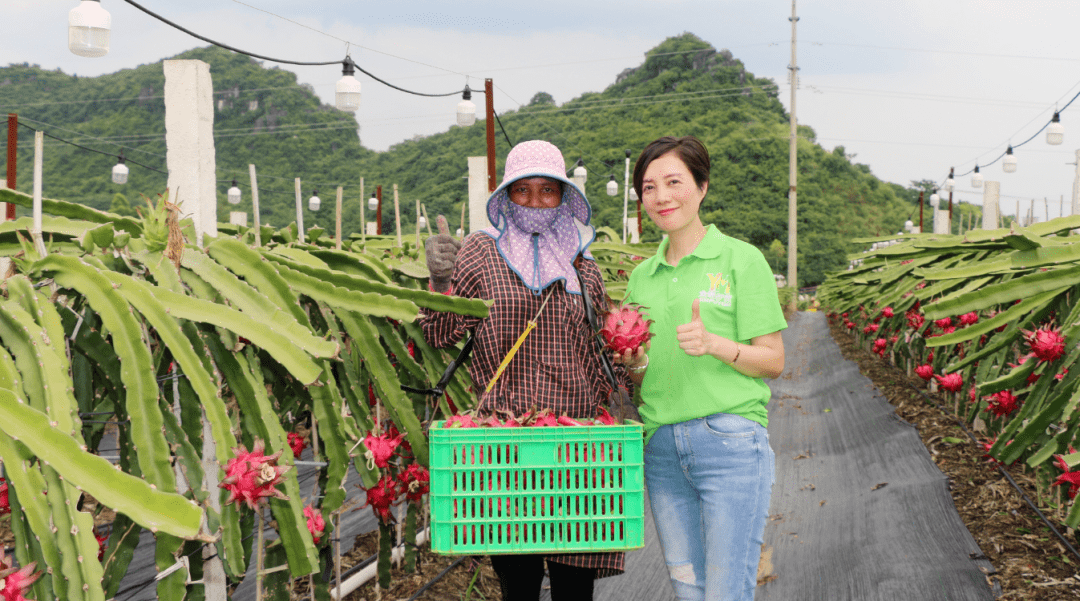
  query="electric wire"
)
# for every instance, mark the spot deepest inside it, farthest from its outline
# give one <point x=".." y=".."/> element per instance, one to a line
<point x="347" y="61"/>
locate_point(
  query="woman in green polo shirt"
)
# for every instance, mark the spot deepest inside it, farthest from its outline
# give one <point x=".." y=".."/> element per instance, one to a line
<point x="717" y="320"/>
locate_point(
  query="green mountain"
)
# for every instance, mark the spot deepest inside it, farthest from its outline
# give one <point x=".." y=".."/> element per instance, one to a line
<point x="265" y="117"/>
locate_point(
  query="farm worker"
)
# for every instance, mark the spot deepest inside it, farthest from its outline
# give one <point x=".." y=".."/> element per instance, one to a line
<point x="717" y="321"/>
<point x="541" y="233"/>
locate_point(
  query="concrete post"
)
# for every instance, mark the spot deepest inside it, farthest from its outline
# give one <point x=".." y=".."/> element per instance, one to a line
<point x="991" y="210"/>
<point x="1076" y="187"/>
<point x="631" y="226"/>
<point x="189" y="143"/>
<point x="478" y="194"/>
<point x="941" y="221"/>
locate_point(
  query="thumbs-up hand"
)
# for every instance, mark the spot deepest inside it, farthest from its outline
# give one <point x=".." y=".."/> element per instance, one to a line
<point x="693" y="338"/>
<point x="441" y="252"/>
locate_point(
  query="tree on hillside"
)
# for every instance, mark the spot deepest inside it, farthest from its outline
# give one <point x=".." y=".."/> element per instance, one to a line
<point x="121" y="206"/>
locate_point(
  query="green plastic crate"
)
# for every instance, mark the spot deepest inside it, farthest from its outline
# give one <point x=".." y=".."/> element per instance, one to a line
<point x="562" y="489"/>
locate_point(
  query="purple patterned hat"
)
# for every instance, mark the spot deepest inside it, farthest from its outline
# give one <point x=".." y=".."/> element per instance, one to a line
<point x="540" y="244"/>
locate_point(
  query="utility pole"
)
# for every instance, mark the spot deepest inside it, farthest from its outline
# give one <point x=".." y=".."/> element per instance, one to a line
<point x="792" y="268"/>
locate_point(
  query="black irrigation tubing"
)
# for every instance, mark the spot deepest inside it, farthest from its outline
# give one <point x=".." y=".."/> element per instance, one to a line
<point x="1001" y="468"/>
<point x="438" y="577"/>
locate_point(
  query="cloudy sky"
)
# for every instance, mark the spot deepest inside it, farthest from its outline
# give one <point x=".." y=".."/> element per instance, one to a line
<point x="909" y="88"/>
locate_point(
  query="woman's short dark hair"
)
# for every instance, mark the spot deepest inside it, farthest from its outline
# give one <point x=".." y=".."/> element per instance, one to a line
<point x="690" y="151"/>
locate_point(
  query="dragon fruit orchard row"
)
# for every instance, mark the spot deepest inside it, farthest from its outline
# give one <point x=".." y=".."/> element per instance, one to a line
<point x="991" y="320"/>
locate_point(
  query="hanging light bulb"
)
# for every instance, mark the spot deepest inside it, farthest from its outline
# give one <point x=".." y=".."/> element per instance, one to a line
<point x="949" y="183"/>
<point x="234" y="194"/>
<point x="466" y="109"/>
<point x="347" y="90"/>
<point x="633" y="194"/>
<point x="314" y="202"/>
<point x="1055" y="132"/>
<point x="976" y="178"/>
<point x="1008" y="164"/>
<point x="421" y="223"/>
<point x="460" y="232"/>
<point x="908" y="225"/>
<point x="88" y="29"/>
<point x="934" y="199"/>
<point x="373" y="203"/>
<point x="120" y="170"/>
<point x="580" y="171"/>
<point x="612" y="186"/>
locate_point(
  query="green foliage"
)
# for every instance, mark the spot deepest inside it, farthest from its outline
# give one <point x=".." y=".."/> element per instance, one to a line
<point x="264" y="117"/>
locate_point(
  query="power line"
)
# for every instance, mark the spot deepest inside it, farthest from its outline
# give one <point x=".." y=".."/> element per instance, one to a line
<point x="956" y="52"/>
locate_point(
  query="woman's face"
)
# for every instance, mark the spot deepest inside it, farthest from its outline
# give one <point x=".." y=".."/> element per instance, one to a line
<point x="536" y="192"/>
<point x="669" y="194"/>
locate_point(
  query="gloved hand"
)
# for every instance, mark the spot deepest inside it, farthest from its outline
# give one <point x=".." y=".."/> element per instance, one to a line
<point x="441" y="251"/>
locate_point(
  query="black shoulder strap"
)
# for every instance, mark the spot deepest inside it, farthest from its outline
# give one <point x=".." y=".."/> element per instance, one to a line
<point x="594" y="325"/>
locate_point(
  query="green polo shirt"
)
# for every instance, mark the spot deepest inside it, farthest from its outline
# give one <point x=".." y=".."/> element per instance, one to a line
<point x="738" y="298"/>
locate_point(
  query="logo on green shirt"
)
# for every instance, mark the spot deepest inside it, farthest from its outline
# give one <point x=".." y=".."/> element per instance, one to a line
<point x="719" y="292"/>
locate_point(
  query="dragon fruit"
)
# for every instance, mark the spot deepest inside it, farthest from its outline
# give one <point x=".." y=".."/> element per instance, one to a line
<point x="887" y="312"/>
<point x="925" y="371"/>
<point x="102" y="541"/>
<point x="316" y="525"/>
<point x="461" y="421"/>
<point x="625" y="328"/>
<point x="251" y="476"/>
<point x="1046" y="343"/>
<point x="951" y="382"/>
<point x="297" y="444"/>
<point x="968" y="319"/>
<point x="605" y="418"/>
<point x="381" y="496"/>
<point x="1072" y="478"/>
<point x="5" y="506"/>
<point x="1002" y="403"/>
<point x="915" y="319"/>
<point x="414" y="482"/>
<point x="879" y="346"/>
<point x="380" y="449"/>
<point x="15" y="582"/>
<point x="943" y="323"/>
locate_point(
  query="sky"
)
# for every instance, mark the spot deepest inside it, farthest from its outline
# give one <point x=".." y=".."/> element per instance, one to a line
<point x="908" y="88"/>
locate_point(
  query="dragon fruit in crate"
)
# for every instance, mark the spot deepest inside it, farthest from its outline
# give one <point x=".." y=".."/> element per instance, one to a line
<point x="625" y="328"/>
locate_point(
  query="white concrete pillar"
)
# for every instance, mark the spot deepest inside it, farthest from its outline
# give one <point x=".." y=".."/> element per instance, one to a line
<point x="941" y="221"/>
<point x="238" y="218"/>
<point x="631" y="228"/>
<point x="1075" y="204"/>
<point x="991" y="208"/>
<point x="189" y="142"/>
<point x="478" y="194"/>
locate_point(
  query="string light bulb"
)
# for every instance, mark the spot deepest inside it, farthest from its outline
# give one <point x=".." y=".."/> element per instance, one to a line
<point x="633" y="194"/>
<point x="976" y="178"/>
<point x="466" y="109"/>
<point x="88" y="29"/>
<point x="460" y="232"/>
<point x="934" y="199"/>
<point x="580" y="171"/>
<point x="373" y="203"/>
<point x="908" y="225"/>
<point x="314" y="202"/>
<point x="347" y="89"/>
<point x="1008" y="164"/>
<point x="120" y="170"/>
<point x="612" y="186"/>
<point x="234" y="194"/>
<point x="421" y="223"/>
<point x="949" y="183"/>
<point x="1055" y="132"/>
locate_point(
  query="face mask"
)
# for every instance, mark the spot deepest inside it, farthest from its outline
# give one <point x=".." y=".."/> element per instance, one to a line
<point x="532" y="220"/>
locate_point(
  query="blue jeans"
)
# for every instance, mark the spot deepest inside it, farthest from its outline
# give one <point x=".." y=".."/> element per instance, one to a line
<point x="709" y="482"/>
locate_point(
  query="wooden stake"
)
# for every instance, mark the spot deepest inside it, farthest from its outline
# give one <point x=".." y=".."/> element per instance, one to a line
<point x="39" y="150"/>
<point x="363" y="213"/>
<point x="255" y="204"/>
<point x="340" y="191"/>
<point x="397" y="216"/>
<point x="427" y="221"/>
<point x="463" y="230"/>
<point x="299" y="211"/>
<point x="418" y="224"/>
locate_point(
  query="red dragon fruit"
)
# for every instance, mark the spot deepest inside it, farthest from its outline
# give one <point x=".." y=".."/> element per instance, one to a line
<point x="5" y="506"/>
<point x="15" y="582"/>
<point x="316" y="525"/>
<point x="879" y="346"/>
<point x="251" y="476"/>
<point x="605" y="418"/>
<point x="1002" y="403"/>
<point x="102" y="541"/>
<point x="380" y="449"/>
<point x="1072" y="478"/>
<point x="297" y="444"/>
<point x="1046" y="343"/>
<point x="887" y="312"/>
<point x="381" y="496"/>
<point x="951" y="382"/>
<point x="915" y="319"/>
<point x="943" y="323"/>
<point x="414" y="482"/>
<point x="625" y="328"/>
<point x="968" y="319"/>
<point x="460" y="421"/>
<point x="925" y="371"/>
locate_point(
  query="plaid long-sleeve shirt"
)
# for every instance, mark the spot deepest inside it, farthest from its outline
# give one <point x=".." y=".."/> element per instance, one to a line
<point x="558" y="366"/>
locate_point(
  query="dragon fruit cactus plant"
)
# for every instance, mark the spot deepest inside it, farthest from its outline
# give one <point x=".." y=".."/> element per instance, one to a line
<point x="625" y="328"/>
<point x="252" y="476"/>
